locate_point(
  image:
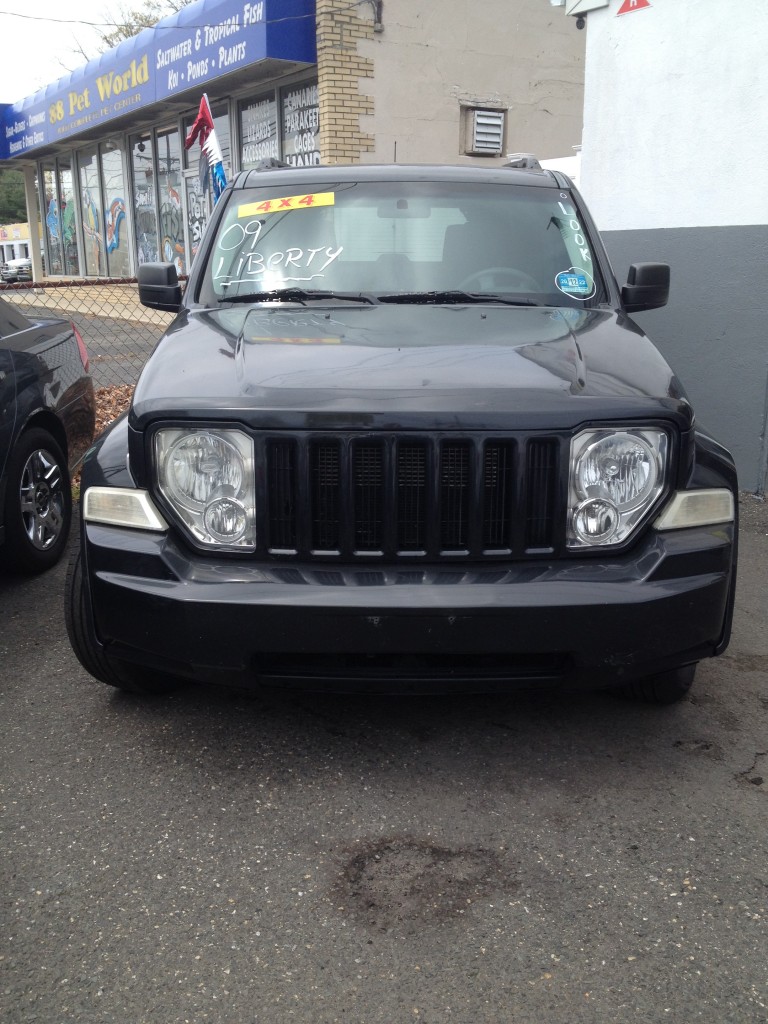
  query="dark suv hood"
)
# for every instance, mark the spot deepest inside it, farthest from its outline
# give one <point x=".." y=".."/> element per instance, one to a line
<point x="456" y="364"/>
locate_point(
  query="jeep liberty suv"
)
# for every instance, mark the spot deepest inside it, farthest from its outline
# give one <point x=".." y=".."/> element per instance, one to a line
<point x="404" y="435"/>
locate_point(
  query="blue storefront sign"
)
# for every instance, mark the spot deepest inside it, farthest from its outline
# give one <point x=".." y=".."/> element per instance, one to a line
<point x="205" y="41"/>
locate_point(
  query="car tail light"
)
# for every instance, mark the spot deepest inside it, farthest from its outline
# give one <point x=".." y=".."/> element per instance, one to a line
<point x="82" y="349"/>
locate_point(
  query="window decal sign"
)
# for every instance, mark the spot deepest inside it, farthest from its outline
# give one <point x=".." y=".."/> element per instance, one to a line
<point x="575" y="282"/>
<point x="287" y="203"/>
<point x="301" y="126"/>
<point x="258" y="131"/>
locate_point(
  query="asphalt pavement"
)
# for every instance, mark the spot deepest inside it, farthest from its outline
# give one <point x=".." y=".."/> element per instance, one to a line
<point x="218" y="857"/>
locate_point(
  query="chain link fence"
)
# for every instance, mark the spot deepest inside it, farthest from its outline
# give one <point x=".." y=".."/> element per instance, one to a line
<point x="118" y="331"/>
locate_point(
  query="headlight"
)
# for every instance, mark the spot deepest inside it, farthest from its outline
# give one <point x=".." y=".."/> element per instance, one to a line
<point x="616" y="476"/>
<point x="207" y="477"/>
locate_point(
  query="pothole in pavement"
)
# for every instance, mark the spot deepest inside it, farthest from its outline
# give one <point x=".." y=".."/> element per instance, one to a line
<point x="402" y="880"/>
<point x="755" y="775"/>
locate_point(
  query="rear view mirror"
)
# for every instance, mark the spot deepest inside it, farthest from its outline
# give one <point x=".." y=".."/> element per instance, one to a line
<point x="647" y="287"/>
<point x="159" y="286"/>
<point x="407" y="209"/>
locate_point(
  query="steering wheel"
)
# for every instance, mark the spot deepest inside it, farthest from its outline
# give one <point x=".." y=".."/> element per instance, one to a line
<point x="518" y="279"/>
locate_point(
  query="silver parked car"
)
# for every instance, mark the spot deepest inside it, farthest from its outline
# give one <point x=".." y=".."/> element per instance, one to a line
<point x="17" y="270"/>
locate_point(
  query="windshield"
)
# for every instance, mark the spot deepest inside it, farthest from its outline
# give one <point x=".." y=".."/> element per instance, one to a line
<point x="403" y="240"/>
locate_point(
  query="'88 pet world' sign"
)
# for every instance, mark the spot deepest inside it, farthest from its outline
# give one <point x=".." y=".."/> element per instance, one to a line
<point x="182" y="52"/>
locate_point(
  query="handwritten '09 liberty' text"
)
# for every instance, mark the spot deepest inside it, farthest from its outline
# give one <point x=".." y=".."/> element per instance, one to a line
<point x="247" y="261"/>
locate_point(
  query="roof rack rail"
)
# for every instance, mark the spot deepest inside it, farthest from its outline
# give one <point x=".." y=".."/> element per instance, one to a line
<point x="523" y="161"/>
<point x="270" y="162"/>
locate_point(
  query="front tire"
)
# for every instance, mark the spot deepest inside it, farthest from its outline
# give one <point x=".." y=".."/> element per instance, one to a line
<point x="664" y="688"/>
<point x="123" y="675"/>
<point x="38" y="503"/>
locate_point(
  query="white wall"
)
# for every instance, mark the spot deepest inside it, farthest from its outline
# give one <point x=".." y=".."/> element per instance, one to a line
<point x="676" y="114"/>
<point x="674" y="159"/>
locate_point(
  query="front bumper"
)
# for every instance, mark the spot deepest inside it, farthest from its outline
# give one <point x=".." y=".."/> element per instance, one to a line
<point x="580" y="623"/>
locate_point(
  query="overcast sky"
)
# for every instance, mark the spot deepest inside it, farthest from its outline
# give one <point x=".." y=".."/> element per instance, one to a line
<point x="40" y="47"/>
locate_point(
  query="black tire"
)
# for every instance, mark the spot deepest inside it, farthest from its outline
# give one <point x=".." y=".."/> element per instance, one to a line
<point x="664" y="688"/>
<point x="123" y="675"/>
<point x="38" y="503"/>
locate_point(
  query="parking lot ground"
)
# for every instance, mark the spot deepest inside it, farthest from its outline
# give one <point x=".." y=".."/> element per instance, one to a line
<point x="271" y="858"/>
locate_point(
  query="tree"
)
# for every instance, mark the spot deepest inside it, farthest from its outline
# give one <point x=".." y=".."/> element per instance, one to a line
<point x="13" y="204"/>
<point x="128" y="22"/>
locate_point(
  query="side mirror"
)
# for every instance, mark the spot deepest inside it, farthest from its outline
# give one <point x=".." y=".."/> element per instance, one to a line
<point x="647" y="287"/>
<point x="159" y="287"/>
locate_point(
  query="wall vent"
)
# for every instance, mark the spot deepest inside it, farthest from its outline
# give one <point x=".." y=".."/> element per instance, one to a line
<point x="486" y="135"/>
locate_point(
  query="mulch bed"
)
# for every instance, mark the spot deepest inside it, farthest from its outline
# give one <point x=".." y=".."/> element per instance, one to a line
<point x="110" y="402"/>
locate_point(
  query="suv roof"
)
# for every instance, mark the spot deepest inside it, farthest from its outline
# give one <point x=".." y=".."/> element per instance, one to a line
<point x="505" y="174"/>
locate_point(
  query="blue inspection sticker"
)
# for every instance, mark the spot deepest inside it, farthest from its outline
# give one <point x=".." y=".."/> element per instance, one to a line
<point x="575" y="282"/>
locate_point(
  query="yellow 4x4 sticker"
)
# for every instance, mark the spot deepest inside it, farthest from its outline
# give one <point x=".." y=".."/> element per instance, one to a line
<point x="287" y="203"/>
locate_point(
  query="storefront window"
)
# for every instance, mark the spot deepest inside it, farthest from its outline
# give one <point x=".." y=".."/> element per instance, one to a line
<point x="147" y="248"/>
<point x="91" y="206"/>
<point x="172" y="246"/>
<point x="198" y="211"/>
<point x="301" y="121"/>
<point x="67" y="206"/>
<point x="258" y="131"/>
<point x="50" y="206"/>
<point x="115" y="225"/>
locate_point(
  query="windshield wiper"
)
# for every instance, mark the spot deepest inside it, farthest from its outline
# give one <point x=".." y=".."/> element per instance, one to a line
<point x="452" y="296"/>
<point x="297" y="295"/>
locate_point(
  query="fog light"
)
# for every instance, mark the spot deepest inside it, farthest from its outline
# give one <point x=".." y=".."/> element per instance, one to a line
<point x="595" y="520"/>
<point x="225" y="519"/>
